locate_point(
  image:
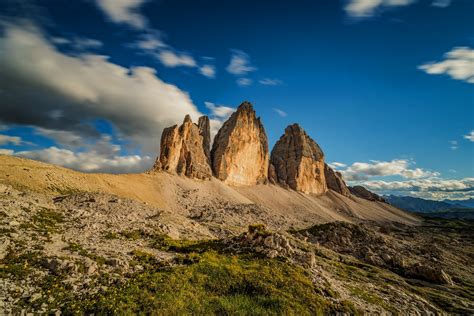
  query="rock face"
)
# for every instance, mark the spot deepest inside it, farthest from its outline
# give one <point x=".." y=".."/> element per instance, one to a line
<point x="363" y="193"/>
<point x="183" y="149"/>
<point x="298" y="162"/>
<point x="240" y="149"/>
<point x="335" y="181"/>
<point x="205" y="132"/>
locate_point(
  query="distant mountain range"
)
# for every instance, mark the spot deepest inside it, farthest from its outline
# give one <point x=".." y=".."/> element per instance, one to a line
<point x="444" y="209"/>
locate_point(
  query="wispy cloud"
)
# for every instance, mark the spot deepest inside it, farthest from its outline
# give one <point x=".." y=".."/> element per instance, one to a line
<point x="243" y="82"/>
<point x="458" y="64"/>
<point x="124" y="11"/>
<point x="368" y="8"/>
<point x="13" y="140"/>
<point x="336" y="165"/>
<point x="453" y="144"/>
<point x="441" y="3"/>
<point x="171" y="59"/>
<point x="270" y="82"/>
<point x="470" y="136"/>
<point x="208" y="71"/>
<point x="218" y="114"/>
<point x="240" y="63"/>
<point x="78" y="43"/>
<point x="281" y="113"/>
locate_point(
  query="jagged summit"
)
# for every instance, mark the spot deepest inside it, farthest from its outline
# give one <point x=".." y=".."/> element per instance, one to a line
<point x="185" y="149"/>
<point x="240" y="155"/>
<point x="297" y="162"/>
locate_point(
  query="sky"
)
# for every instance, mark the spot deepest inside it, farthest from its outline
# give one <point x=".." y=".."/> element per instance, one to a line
<point x="385" y="87"/>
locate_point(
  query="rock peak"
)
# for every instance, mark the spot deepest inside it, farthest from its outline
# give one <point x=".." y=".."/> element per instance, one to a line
<point x="297" y="162"/>
<point x="245" y="106"/>
<point x="187" y="119"/>
<point x="240" y="149"/>
<point x="185" y="149"/>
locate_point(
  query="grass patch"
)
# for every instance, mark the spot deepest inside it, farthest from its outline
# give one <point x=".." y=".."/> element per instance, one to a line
<point x="215" y="284"/>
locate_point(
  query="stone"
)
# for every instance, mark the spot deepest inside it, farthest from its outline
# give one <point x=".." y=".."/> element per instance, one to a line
<point x="205" y="131"/>
<point x="183" y="151"/>
<point x="297" y="162"/>
<point x="335" y="181"/>
<point x="240" y="150"/>
<point x="363" y="193"/>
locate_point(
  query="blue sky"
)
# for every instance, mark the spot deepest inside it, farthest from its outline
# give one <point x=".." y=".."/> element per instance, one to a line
<point x="385" y="87"/>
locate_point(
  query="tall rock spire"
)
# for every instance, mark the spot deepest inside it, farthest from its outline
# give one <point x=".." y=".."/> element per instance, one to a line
<point x="298" y="162"/>
<point x="240" y="150"/>
<point x="183" y="149"/>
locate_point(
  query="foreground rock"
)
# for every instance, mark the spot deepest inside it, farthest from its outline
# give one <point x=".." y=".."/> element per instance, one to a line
<point x="240" y="149"/>
<point x="335" y="181"/>
<point x="363" y="193"/>
<point x="298" y="162"/>
<point x="185" y="149"/>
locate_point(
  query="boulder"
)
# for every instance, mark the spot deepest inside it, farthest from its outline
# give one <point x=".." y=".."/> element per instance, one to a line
<point x="183" y="149"/>
<point x="335" y="181"/>
<point x="240" y="150"/>
<point x="297" y="162"/>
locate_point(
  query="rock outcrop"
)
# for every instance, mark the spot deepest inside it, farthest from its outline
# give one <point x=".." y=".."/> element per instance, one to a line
<point x="240" y="150"/>
<point x="183" y="149"/>
<point x="335" y="181"/>
<point x="205" y="132"/>
<point x="363" y="193"/>
<point x="298" y="162"/>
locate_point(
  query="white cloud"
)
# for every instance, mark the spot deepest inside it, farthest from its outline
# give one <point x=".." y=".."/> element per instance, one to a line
<point x="78" y="43"/>
<point x="454" y="144"/>
<point x="172" y="59"/>
<point x="124" y="11"/>
<point x="240" y="63"/>
<point x="458" y="64"/>
<point x="398" y="167"/>
<point x="280" y="112"/>
<point x="218" y="115"/>
<point x="6" y="152"/>
<point x="244" y="82"/>
<point x="368" y="8"/>
<point x="64" y="138"/>
<point x="433" y="188"/>
<point x="441" y="3"/>
<point x="270" y="82"/>
<point x="150" y="42"/>
<point x="470" y="136"/>
<point x="7" y="139"/>
<point x="82" y="88"/>
<point x="220" y="111"/>
<point x="90" y="161"/>
<point x="336" y="165"/>
<point x="208" y="71"/>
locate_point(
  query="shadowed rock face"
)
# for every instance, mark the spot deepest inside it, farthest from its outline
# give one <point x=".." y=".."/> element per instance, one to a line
<point x="240" y="149"/>
<point x="335" y="181"/>
<point x="183" y="149"/>
<point x="363" y="193"/>
<point x="205" y="132"/>
<point x="298" y="162"/>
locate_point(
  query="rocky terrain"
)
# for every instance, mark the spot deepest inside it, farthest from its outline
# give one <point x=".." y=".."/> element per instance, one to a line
<point x="222" y="231"/>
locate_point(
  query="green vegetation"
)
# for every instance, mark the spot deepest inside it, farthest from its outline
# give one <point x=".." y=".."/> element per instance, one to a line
<point x="212" y="284"/>
<point x="73" y="247"/>
<point x="45" y="222"/>
<point x="18" y="266"/>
